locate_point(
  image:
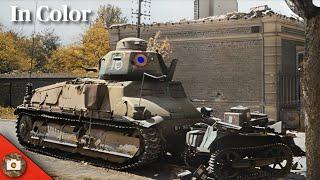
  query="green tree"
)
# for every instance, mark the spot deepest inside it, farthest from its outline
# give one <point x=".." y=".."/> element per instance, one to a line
<point x="75" y="58"/>
<point x="95" y="43"/>
<point x="66" y="59"/>
<point x="110" y="15"/>
<point x="311" y="82"/>
<point x="41" y="48"/>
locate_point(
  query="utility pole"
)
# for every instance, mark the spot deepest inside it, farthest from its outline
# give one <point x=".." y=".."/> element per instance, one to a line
<point x="140" y="15"/>
<point x="33" y="43"/>
<point x="139" y="18"/>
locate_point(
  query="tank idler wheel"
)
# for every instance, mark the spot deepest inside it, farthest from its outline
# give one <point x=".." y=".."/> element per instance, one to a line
<point x="283" y="163"/>
<point x="222" y="161"/>
<point x="24" y="128"/>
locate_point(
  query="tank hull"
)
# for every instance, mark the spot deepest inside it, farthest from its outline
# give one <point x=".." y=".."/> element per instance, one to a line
<point x="104" y="120"/>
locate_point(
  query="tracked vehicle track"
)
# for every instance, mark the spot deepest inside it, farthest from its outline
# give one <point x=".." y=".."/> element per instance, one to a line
<point x="150" y="138"/>
<point x="250" y="174"/>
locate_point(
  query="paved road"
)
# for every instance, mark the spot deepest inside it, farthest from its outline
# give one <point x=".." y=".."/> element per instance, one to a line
<point x="62" y="169"/>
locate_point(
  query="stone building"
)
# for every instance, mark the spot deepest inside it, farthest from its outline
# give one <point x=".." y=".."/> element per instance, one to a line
<point x="206" y="8"/>
<point x="241" y="59"/>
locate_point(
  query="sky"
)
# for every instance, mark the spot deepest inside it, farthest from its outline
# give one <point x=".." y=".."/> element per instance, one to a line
<point x="161" y="11"/>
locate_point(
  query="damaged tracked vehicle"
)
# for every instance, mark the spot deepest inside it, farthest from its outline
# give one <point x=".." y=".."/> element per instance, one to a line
<point x="128" y="117"/>
<point x="243" y="151"/>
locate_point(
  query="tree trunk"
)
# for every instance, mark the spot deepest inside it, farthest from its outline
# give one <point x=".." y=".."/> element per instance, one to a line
<point x="311" y="91"/>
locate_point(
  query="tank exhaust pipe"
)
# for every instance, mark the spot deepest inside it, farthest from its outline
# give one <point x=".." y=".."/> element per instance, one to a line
<point x="28" y="95"/>
<point x="172" y="69"/>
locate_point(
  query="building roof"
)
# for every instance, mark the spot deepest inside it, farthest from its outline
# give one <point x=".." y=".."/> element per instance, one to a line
<point x="255" y="13"/>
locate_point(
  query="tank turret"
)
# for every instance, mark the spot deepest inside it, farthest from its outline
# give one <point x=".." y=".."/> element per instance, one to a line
<point x="132" y="44"/>
<point x="131" y="60"/>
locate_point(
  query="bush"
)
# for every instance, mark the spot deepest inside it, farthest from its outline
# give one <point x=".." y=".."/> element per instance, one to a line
<point x="7" y="113"/>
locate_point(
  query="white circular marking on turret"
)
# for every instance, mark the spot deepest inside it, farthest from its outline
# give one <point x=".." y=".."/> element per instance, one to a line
<point x="118" y="65"/>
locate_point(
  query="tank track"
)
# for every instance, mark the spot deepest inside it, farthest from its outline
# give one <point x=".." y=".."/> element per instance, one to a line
<point x="251" y="174"/>
<point x="192" y="159"/>
<point x="151" y="140"/>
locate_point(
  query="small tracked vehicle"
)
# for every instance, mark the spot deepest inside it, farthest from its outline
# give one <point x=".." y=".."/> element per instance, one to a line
<point x="227" y="151"/>
<point x="128" y="117"/>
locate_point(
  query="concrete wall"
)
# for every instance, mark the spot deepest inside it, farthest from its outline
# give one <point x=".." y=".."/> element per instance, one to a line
<point x="224" y="6"/>
<point x="12" y="87"/>
<point x="201" y="8"/>
<point x="206" y="8"/>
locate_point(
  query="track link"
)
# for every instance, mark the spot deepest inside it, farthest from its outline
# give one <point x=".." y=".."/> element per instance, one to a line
<point x="251" y="174"/>
<point x="150" y="140"/>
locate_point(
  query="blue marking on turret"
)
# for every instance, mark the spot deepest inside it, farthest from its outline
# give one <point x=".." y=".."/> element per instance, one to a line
<point x="140" y="60"/>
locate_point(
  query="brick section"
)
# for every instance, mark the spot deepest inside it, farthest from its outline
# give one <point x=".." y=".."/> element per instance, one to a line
<point x="225" y="71"/>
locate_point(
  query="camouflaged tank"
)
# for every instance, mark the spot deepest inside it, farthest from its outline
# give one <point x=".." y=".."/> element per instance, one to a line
<point x="130" y="116"/>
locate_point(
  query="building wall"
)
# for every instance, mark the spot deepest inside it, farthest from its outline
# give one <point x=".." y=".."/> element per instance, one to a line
<point x="221" y="7"/>
<point x="279" y="58"/>
<point x="290" y="105"/>
<point x="206" y="8"/>
<point x="218" y="73"/>
<point x="201" y="8"/>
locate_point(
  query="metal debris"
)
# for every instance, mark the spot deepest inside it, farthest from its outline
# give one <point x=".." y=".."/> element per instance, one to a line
<point x="256" y="12"/>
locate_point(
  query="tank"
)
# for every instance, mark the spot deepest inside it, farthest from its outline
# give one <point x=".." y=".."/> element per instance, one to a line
<point x="227" y="151"/>
<point x="129" y="116"/>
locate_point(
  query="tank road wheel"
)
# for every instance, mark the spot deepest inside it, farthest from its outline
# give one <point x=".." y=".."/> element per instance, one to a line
<point x="24" y="127"/>
<point x="283" y="163"/>
<point x="220" y="164"/>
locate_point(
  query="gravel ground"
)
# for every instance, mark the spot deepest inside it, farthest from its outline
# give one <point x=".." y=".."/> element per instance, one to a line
<point x="62" y="169"/>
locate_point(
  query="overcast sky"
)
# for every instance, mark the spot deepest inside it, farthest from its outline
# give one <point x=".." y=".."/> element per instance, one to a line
<point x="161" y="11"/>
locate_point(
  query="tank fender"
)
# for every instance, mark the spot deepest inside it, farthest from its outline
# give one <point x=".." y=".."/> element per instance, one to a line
<point x="145" y="123"/>
<point x="208" y="139"/>
<point x="195" y="137"/>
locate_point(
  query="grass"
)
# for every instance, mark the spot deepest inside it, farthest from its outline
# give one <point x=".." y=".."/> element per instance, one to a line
<point x="7" y="113"/>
